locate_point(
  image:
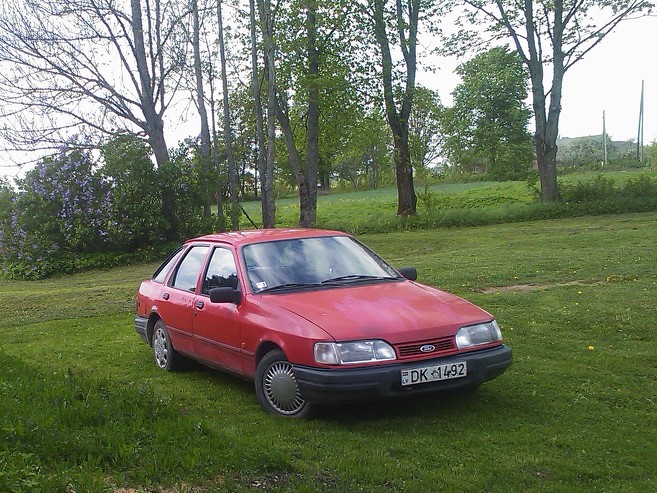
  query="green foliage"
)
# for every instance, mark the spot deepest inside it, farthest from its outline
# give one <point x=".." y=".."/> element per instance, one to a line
<point x="68" y="262"/>
<point x="424" y="139"/>
<point x="136" y="205"/>
<point x="183" y="185"/>
<point x="365" y="160"/>
<point x="486" y="128"/>
<point x="650" y="155"/>
<point x="72" y="213"/>
<point x="637" y="194"/>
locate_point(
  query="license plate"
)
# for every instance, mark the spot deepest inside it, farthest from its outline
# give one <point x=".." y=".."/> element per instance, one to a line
<point x="434" y="373"/>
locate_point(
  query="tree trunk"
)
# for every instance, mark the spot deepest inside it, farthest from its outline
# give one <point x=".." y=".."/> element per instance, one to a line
<point x="308" y="204"/>
<point x="406" y="197"/>
<point x="295" y="161"/>
<point x="267" y="202"/>
<point x="398" y="121"/>
<point x="154" y="127"/>
<point x="205" y="148"/>
<point x="267" y="178"/>
<point x="547" y="124"/>
<point x="233" y="178"/>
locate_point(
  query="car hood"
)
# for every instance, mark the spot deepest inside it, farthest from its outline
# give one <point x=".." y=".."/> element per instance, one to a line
<point x="395" y="311"/>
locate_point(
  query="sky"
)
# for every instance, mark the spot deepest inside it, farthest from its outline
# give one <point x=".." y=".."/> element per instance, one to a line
<point x="608" y="79"/>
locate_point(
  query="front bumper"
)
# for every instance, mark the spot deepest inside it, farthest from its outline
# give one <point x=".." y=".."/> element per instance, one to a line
<point x="327" y="386"/>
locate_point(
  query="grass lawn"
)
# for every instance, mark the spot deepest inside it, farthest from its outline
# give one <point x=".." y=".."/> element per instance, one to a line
<point x="374" y="210"/>
<point x="84" y="408"/>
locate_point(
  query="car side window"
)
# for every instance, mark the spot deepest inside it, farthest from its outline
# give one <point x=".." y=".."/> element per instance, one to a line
<point x="189" y="269"/>
<point x="163" y="270"/>
<point x="221" y="271"/>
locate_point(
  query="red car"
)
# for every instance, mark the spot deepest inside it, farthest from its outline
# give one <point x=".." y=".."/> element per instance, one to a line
<point x="314" y="317"/>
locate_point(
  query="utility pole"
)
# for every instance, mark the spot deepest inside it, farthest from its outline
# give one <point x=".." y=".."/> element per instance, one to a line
<point x="604" y="139"/>
<point x="639" y="139"/>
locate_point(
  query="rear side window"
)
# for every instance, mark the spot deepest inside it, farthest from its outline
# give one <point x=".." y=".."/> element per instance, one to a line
<point x="189" y="269"/>
<point x="163" y="270"/>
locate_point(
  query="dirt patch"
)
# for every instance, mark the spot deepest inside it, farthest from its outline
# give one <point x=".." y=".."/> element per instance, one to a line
<point x="526" y="288"/>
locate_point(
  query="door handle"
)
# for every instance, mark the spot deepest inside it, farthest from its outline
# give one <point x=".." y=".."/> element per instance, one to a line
<point x="200" y="305"/>
<point x="165" y="296"/>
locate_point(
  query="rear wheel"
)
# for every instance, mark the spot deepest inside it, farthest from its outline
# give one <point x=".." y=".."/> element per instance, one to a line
<point x="164" y="354"/>
<point x="277" y="388"/>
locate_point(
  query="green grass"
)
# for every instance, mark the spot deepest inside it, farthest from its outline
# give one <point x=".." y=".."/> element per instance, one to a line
<point x="381" y="204"/>
<point x="85" y="409"/>
<point x="451" y="204"/>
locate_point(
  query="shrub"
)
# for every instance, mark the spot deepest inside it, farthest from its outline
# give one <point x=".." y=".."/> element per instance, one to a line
<point x="70" y="214"/>
<point x="60" y="208"/>
<point x="134" y="185"/>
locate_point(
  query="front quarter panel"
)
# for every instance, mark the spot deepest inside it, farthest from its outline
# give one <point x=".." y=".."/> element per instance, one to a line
<point x="266" y="323"/>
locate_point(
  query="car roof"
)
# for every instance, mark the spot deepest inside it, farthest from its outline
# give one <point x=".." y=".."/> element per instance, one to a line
<point x="239" y="238"/>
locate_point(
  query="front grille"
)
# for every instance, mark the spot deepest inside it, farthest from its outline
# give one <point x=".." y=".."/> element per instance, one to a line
<point x="412" y="350"/>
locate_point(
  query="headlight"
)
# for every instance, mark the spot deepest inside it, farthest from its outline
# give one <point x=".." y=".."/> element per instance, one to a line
<point x="344" y="353"/>
<point x="476" y="335"/>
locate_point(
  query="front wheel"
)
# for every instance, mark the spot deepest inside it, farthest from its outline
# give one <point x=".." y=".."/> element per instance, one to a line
<point x="166" y="357"/>
<point x="277" y="388"/>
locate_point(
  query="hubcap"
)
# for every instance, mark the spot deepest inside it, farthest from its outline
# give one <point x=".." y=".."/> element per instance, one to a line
<point x="281" y="389"/>
<point x="160" y="348"/>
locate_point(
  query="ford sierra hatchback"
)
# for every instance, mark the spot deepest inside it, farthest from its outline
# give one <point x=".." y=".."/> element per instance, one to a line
<point x="313" y="317"/>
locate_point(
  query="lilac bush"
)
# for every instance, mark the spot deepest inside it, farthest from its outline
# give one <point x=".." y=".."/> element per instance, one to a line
<point x="72" y="212"/>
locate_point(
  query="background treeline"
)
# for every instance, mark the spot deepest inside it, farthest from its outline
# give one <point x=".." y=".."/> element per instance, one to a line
<point x="300" y="97"/>
<point x="76" y="212"/>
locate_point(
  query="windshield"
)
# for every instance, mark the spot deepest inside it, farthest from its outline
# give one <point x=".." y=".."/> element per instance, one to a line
<point x="315" y="262"/>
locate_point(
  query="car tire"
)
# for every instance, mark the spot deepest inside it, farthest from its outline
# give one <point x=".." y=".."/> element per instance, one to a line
<point x="277" y="388"/>
<point x="164" y="354"/>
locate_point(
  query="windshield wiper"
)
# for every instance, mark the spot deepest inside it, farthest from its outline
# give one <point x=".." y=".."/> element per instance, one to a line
<point x="356" y="278"/>
<point x="286" y="286"/>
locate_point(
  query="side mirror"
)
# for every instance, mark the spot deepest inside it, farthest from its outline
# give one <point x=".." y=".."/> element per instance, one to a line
<point x="409" y="273"/>
<point x="225" y="295"/>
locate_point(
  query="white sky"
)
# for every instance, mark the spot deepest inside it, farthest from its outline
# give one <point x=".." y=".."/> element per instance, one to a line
<point x="607" y="79"/>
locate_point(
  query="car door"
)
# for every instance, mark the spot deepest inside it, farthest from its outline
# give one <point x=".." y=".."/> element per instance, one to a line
<point x="217" y="325"/>
<point x="176" y="306"/>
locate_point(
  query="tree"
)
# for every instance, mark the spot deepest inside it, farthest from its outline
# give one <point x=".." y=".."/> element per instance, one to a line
<point x="233" y="178"/>
<point x="405" y="19"/>
<point x="308" y="35"/>
<point x="487" y="125"/>
<point x="97" y="66"/>
<point x="205" y="149"/>
<point x="265" y="166"/>
<point x="306" y="175"/>
<point x="547" y="34"/>
<point x="94" y="66"/>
